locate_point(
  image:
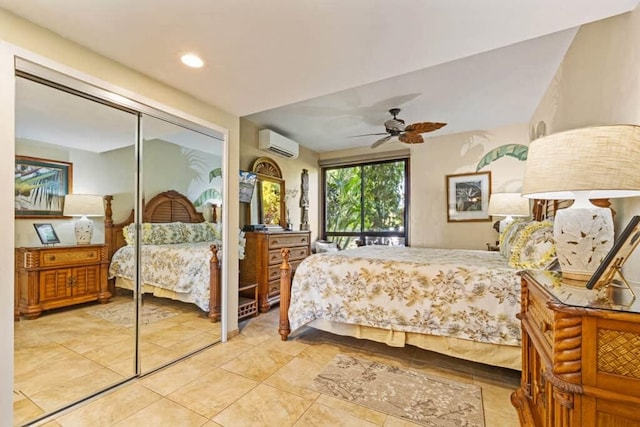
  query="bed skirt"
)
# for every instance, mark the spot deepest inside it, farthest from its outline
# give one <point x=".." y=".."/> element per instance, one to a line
<point x="506" y="356"/>
<point x="155" y="291"/>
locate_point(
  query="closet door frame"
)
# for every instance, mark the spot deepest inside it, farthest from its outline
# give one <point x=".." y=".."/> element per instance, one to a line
<point x="12" y="59"/>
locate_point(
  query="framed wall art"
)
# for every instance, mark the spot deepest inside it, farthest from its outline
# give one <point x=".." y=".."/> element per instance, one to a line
<point x="40" y="187"/>
<point x="468" y="197"/>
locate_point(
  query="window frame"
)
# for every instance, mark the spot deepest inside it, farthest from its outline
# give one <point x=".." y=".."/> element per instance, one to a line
<point x="361" y="234"/>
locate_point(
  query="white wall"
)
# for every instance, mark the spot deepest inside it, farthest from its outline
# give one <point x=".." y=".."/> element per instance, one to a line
<point x="598" y="83"/>
<point x="291" y="171"/>
<point x="18" y="37"/>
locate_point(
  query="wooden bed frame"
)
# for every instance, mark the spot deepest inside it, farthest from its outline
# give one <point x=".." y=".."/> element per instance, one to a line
<point x="541" y="210"/>
<point x="169" y="206"/>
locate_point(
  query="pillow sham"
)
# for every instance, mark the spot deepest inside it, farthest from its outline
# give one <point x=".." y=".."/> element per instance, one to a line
<point x="510" y="234"/>
<point x="129" y="234"/>
<point x="534" y="247"/>
<point x="201" y="232"/>
<point x="163" y="233"/>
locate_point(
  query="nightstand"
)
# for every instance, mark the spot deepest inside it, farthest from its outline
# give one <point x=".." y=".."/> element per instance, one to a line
<point x="54" y="277"/>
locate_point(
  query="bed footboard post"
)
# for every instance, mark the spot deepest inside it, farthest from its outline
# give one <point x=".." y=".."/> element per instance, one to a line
<point x="214" y="286"/>
<point x="285" y="295"/>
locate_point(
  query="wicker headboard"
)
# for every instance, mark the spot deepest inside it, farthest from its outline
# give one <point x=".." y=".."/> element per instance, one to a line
<point x="168" y="206"/>
<point x="546" y="209"/>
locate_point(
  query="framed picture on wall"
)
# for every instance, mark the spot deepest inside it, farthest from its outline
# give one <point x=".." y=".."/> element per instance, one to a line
<point x="468" y="197"/>
<point x="40" y="187"/>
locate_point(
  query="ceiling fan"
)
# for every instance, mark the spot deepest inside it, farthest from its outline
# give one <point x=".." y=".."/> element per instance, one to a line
<point x="409" y="134"/>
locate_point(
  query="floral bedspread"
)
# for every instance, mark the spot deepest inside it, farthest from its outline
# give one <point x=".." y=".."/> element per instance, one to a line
<point x="179" y="267"/>
<point x="465" y="294"/>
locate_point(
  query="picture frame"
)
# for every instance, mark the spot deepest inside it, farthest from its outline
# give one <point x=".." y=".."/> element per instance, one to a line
<point x="46" y="233"/>
<point x="247" y="186"/>
<point x="468" y="197"/>
<point x="40" y="187"/>
<point x="622" y="248"/>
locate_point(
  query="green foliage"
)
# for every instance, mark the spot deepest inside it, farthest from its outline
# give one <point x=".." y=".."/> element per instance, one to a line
<point x="518" y="151"/>
<point x="378" y="189"/>
<point x="384" y="196"/>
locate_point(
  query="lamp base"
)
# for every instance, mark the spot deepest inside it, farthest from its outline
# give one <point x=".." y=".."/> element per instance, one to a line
<point x="83" y="230"/>
<point x="583" y="237"/>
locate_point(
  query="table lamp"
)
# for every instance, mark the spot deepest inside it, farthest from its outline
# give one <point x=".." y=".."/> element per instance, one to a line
<point x="508" y="205"/>
<point x="597" y="162"/>
<point x="84" y="206"/>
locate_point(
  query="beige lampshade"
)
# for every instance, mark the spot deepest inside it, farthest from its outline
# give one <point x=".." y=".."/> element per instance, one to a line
<point x="600" y="160"/>
<point x="508" y="204"/>
<point x="581" y="164"/>
<point x="83" y="205"/>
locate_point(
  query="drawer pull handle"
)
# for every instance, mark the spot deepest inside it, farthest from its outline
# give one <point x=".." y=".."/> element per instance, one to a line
<point x="52" y="257"/>
<point x="544" y="327"/>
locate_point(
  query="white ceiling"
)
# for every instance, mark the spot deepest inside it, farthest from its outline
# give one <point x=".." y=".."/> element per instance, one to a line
<point x="320" y="71"/>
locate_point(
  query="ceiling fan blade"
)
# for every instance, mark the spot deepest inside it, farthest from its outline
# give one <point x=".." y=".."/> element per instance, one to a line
<point x="381" y="141"/>
<point x="411" y="138"/>
<point x="423" y="127"/>
<point x="369" y="134"/>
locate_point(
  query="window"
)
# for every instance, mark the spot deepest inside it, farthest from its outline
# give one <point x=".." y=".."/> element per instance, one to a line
<point x="366" y="203"/>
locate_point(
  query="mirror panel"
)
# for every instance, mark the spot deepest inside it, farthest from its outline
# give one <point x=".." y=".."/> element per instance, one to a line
<point x="66" y="345"/>
<point x="70" y="352"/>
<point x="269" y="200"/>
<point x="176" y="301"/>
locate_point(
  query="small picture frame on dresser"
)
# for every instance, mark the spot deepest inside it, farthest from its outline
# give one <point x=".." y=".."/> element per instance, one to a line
<point x="47" y="234"/>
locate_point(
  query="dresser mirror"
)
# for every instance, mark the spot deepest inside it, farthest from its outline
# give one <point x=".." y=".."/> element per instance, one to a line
<point x="66" y="348"/>
<point x="270" y="203"/>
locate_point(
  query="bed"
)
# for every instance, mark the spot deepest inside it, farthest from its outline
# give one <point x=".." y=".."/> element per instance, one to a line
<point x="463" y="303"/>
<point x="179" y="249"/>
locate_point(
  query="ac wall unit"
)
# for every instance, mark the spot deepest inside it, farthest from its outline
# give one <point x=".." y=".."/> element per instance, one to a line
<point x="269" y="140"/>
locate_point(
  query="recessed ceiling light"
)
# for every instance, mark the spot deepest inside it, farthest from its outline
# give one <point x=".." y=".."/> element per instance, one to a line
<point x="192" y="60"/>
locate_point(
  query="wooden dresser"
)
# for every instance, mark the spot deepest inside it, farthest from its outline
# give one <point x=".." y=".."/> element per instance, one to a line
<point x="262" y="260"/>
<point x="53" y="277"/>
<point x="580" y="356"/>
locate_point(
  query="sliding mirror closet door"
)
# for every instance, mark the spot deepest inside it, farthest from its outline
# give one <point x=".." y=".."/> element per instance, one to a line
<point x="181" y="184"/>
<point x="74" y="335"/>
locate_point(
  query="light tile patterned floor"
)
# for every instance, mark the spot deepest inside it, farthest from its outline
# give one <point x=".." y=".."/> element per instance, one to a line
<point x="257" y="380"/>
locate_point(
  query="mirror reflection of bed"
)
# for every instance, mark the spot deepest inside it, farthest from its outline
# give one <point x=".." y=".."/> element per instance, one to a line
<point x="69" y="353"/>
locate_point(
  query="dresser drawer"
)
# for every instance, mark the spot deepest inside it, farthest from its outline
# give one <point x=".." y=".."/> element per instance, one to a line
<point x="274" y="271"/>
<point x="288" y="240"/>
<point x="540" y="317"/>
<point x="275" y="256"/>
<point x="75" y="257"/>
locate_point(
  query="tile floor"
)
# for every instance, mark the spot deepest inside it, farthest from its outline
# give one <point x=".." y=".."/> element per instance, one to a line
<point x="257" y="380"/>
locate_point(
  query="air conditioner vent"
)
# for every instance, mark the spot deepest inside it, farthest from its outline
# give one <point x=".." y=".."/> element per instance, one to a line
<point x="273" y="142"/>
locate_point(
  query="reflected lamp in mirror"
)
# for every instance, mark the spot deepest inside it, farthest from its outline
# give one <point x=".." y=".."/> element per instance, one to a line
<point x="509" y="205"/>
<point x="83" y="206"/>
<point x="584" y="164"/>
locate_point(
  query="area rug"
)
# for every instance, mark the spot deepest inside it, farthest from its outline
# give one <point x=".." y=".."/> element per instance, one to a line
<point x="123" y="314"/>
<point x="422" y="399"/>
